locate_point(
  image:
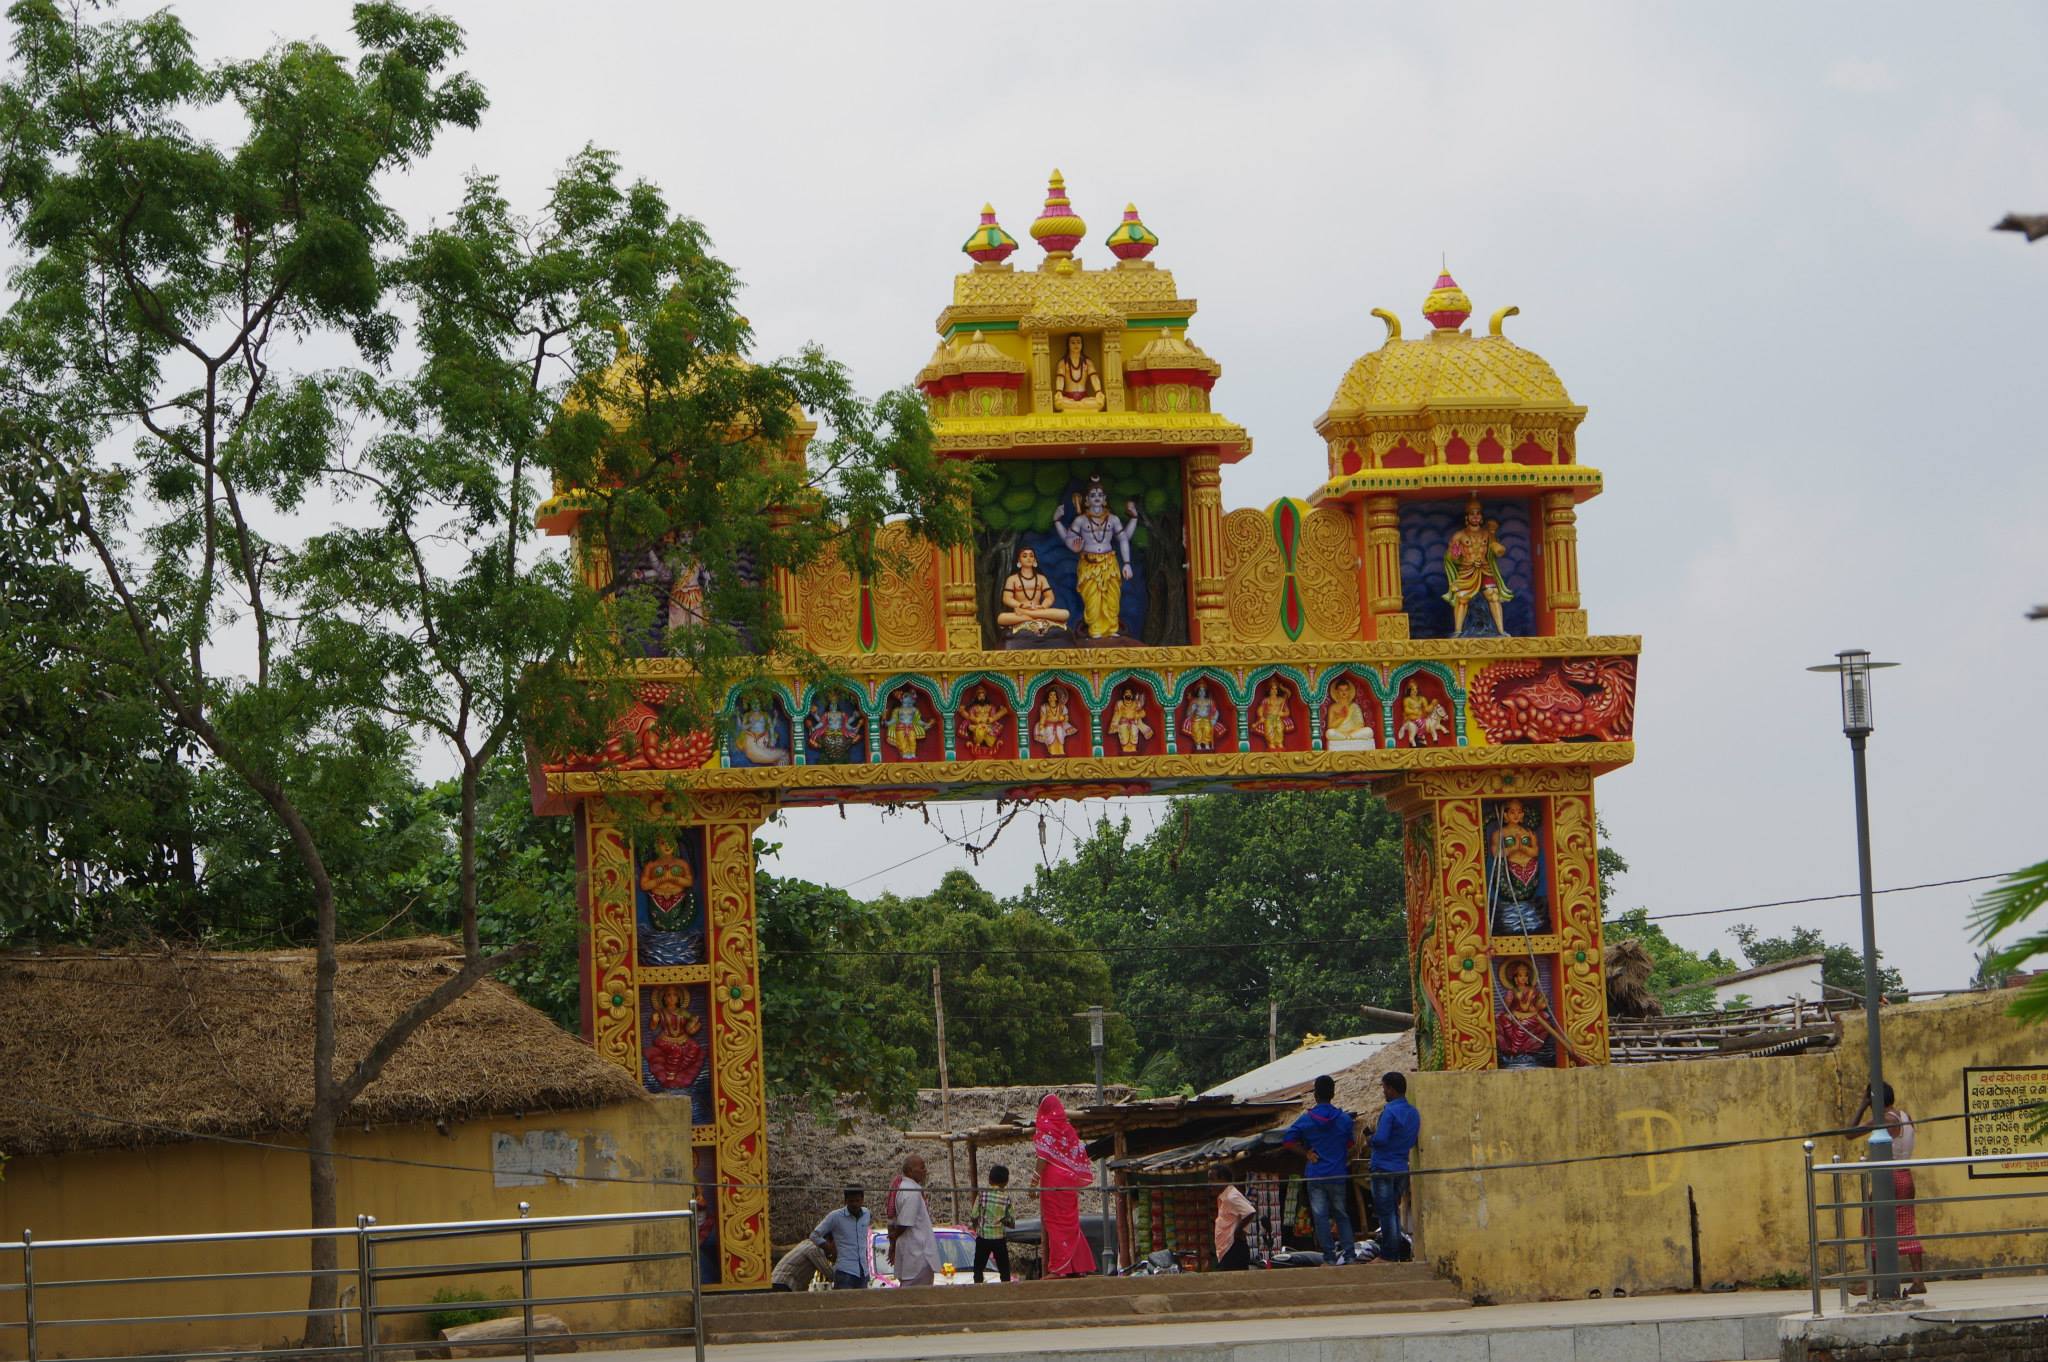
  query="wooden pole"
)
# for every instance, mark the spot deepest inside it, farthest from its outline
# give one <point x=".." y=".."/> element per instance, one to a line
<point x="1272" y="1030"/>
<point x="945" y="1097"/>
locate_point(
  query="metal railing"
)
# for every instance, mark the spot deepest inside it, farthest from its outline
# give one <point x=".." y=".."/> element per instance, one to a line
<point x="361" y="1308"/>
<point x="1841" y="1197"/>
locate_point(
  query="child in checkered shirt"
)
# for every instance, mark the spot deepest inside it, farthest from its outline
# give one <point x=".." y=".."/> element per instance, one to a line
<point x="991" y="1217"/>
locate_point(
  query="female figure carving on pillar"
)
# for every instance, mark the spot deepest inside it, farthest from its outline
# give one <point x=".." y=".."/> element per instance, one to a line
<point x="1102" y="542"/>
<point x="1076" y="385"/>
<point x="674" y="1054"/>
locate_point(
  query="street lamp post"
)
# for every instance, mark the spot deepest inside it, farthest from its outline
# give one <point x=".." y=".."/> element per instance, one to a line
<point x="1853" y="666"/>
<point x="1095" y="1043"/>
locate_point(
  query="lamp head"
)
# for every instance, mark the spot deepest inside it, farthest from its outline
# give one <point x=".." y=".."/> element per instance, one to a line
<point x="1853" y="666"/>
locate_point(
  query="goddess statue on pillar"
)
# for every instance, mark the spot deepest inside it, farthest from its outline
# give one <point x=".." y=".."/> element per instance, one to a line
<point x="674" y="1054"/>
<point x="1472" y="569"/>
<point x="1102" y="543"/>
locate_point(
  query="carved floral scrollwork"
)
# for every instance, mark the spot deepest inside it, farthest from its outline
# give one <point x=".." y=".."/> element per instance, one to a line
<point x="1583" y="1006"/>
<point x="1327" y="568"/>
<point x="1252" y="576"/>
<point x="737" y="1080"/>
<point x="906" y="591"/>
<point x="614" y="1002"/>
<point x="1461" y="936"/>
<point x="831" y="617"/>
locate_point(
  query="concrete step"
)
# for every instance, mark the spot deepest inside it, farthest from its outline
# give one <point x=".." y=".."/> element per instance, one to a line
<point x="938" y="1323"/>
<point x="1037" y="1295"/>
<point x="1074" y="1303"/>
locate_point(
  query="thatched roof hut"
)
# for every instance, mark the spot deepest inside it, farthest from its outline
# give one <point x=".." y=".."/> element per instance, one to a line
<point x="121" y="1050"/>
<point x="1629" y="967"/>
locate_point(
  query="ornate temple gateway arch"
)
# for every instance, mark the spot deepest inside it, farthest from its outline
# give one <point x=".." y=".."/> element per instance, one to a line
<point x="1415" y="624"/>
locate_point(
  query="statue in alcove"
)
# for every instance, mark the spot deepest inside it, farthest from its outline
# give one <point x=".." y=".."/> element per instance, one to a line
<point x="1102" y="547"/>
<point x="1472" y="569"/>
<point x="1075" y="384"/>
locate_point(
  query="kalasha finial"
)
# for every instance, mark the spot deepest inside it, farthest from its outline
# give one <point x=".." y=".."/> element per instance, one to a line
<point x="989" y="244"/>
<point x="1131" y="239"/>
<point x="1057" y="229"/>
<point x="1446" y="307"/>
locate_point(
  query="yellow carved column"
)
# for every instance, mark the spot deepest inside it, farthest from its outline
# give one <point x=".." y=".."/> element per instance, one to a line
<point x="1041" y="372"/>
<point x="1561" y="564"/>
<point x="1575" y="880"/>
<point x="611" y="1000"/>
<point x="739" y="1095"/>
<point x="956" y="599"/>
<point x="1467" y="1002"/>
<point x="786" y="583"/>
<point x="1113" y="368"/>
<point x="1383" y="567"/>
<point x="1205" y="546"/>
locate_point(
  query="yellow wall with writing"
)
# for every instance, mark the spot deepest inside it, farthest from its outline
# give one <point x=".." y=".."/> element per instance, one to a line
<point x="1561" y="1232"/>
<point x="206" y="1187"/>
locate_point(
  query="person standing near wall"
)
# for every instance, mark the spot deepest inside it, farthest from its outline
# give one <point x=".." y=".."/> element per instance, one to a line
<point x="1399" y="1129"/>
<point x="912" y="1246"/>
<point x="1327" y="1134"/>
<point x="845" y="1232"/>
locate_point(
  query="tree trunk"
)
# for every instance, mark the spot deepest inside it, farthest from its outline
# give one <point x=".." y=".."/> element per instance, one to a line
<point x="322" y="1199"/>
<point x="467" y="843"/>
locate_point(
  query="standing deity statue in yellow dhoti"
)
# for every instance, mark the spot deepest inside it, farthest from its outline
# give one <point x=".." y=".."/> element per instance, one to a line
<point x="907" y="724"/>
<point x="1102" y="543"/>
<point x="1472" y="568"/>
<point x="1127" y="720"/>
<point x="1273" y="720"/>
<point x="1203" y="717"/>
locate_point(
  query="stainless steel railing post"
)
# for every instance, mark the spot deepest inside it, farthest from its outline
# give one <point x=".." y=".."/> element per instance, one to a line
<point x="696" y="1284"/>
<point x="1812" y="1231"/>
<point x="28" y="1285"/>
<point x="526" y="1281"/>
<point x="366" y="1325"/>
<point x="1842" y="1248"/>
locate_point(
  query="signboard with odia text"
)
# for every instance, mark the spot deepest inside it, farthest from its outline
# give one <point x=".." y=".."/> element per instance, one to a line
<point x="1993" y="1129"/>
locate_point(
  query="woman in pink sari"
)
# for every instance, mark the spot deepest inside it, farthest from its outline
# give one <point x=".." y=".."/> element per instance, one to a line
<point x="1063" y="1169"/>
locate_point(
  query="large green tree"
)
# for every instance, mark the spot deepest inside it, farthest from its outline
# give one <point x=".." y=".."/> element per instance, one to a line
<point x="322" y="552"/>
<point x="1841" y="964"/>
<point x="1233" y="903"/>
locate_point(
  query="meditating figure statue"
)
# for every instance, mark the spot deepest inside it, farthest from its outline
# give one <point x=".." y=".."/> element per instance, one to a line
<point x="1028" y="609"/>
<point x="1344" y="725"/>
<point x="1075" y="384"/>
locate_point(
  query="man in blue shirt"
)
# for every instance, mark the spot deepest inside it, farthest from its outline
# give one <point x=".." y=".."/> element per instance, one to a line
<point x="845" y="1232"/>
<point x="1396" y="1135"/>
<point x="1326" y="1134"/>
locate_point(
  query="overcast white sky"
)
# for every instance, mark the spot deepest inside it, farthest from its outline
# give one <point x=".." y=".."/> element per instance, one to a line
<point x="1752" y="239"/>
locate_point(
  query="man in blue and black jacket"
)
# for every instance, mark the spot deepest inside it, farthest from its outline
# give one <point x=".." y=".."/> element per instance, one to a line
<point x="1326" y="1134"/>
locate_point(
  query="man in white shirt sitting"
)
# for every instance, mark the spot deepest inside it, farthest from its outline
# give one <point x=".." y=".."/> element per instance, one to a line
<point x="912" y="1246"/>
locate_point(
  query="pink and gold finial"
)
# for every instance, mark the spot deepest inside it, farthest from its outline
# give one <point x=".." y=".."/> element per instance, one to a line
<point x="1057" y="229"/>
<point x="989" y="244"/>
<point x="1446" y="307"/>
<point x="1131" y="239"/>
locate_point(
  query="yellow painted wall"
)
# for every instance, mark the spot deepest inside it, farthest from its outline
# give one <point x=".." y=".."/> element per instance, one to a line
<point x="211" y="1187"/>
<point x="1559" y="1233"/>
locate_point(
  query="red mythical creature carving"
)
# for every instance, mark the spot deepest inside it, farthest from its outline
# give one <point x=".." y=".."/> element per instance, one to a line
<point x="637" y="742"/>
<point x="1553" y="700"/>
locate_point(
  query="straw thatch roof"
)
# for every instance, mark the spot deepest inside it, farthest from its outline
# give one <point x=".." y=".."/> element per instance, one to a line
<point x="166" y="1043"/>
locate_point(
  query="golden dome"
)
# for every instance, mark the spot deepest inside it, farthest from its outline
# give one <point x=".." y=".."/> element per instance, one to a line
<point x="1446" y="368"/>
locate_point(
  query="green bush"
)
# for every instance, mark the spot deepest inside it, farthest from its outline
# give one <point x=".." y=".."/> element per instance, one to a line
<point x="455" y="1319"/>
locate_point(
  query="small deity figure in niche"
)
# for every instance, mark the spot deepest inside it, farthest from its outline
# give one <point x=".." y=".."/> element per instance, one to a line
<point x="1521" y="1022"/>
<point x="1273" y="719"/>
<point x="674" y="1054"/>
<point x="1102" y="543"/>
<point x="1127" y="720"/>
<point x="686" y="600"/>
<point x="906" y="724"/>
<point x="1075" y="384"/>
<point x="1423" y="720"/>
<point x="1203" y="719"/>
<point x="1028" y="612"/>
<point x="981" y="730"/>
<point x="1055" y="725"/>
<point x="666" y="877"/>
<point x="1344" y="726"/>
<point x="833" y="730"/>
<point x="1472" y="569"/>
<point x="1517" y="859"/>
<point x="756" y="732"/>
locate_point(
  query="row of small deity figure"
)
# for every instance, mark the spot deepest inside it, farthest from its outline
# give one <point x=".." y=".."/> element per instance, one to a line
<point x="982" y="725"/>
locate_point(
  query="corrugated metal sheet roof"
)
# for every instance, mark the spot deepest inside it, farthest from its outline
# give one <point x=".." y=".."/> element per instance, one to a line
<point x="1301" y="1068"/>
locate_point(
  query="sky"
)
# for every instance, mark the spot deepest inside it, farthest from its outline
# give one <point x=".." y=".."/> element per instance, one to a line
<point x="1751" y="238"/>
